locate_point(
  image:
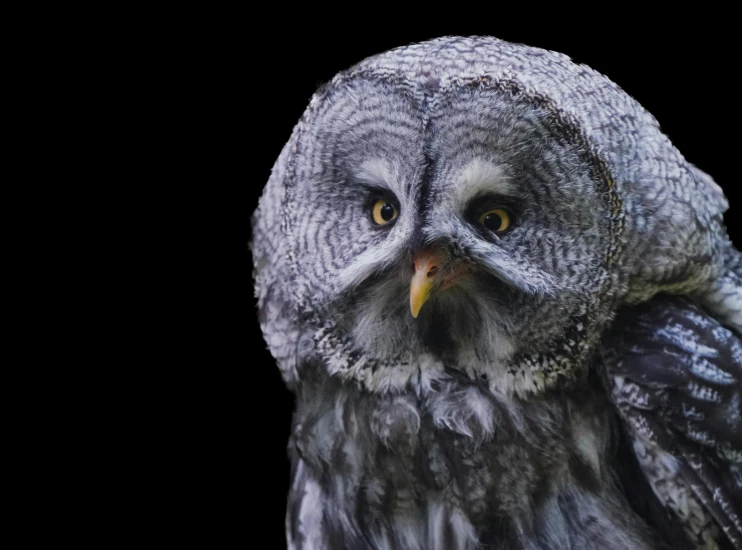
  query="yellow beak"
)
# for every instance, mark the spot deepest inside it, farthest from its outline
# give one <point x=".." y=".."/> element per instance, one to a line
<point x="426" y="265"/>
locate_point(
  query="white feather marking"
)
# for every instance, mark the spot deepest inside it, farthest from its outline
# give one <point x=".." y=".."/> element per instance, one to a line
<point x="377" y="172"/>
<point x="703" y="393"/>
<point x="703" y="369"/>
<point x="310" y="514"/>
<point x="480" y="177"/>
<point x="685" y="340"/>
<point x="465" y="536"/>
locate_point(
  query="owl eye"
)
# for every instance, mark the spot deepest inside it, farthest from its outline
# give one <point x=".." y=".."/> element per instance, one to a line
<point x="383" y="212"/>
<point x="496" y="219"/>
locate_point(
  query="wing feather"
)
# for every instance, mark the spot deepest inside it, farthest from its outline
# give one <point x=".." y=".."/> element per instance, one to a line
<point x="674" y="374"/>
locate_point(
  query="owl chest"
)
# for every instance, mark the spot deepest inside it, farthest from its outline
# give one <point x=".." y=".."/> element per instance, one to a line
<point x="375" y="460"/>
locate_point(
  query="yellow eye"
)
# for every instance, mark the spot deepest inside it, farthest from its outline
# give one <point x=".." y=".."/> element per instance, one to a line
<point x="495" y="220"/>
<point x="383" y="212"/>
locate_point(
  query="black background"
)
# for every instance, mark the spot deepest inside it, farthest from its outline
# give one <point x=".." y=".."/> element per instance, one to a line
<point x="682" y="73"/>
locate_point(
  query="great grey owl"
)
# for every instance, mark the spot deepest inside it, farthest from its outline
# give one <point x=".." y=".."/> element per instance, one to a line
<point x="508" y="308"/>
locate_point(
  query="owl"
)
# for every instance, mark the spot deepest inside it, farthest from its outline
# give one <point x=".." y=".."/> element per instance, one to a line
<point x="508" y="309"/>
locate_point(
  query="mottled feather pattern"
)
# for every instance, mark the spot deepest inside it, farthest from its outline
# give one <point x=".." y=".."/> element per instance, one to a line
<point x="481" y="423"/>
<point x="675" y="374"/>
<point x="455" y="468"/>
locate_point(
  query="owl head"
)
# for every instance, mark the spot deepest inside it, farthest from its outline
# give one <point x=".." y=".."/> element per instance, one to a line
<point x="471" y="207"/>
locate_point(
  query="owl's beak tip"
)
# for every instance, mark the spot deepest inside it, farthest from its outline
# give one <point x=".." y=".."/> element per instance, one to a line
<point x="419" y="294"/>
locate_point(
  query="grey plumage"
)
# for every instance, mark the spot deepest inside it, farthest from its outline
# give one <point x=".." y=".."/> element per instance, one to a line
<point x="502" y="415"/>
<point x="674" y="374"/>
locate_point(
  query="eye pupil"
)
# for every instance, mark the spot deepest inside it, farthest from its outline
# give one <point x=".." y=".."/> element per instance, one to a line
<point x="383" y="212"/>
<point x="492" y="221"/>
<point x="497" y="220"/>
<point x="387" y="212"/>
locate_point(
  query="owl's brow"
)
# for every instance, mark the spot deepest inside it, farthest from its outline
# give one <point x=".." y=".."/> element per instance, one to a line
<point x="482" y="178"/>
<point x="376" y="174"/>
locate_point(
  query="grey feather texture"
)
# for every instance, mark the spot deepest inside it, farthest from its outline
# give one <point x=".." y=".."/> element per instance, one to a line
<point x="497" y="417"/>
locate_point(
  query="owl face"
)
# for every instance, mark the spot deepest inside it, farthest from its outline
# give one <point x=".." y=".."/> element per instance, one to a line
<point x="473" y="206"/>
<point x="467" y="231"/>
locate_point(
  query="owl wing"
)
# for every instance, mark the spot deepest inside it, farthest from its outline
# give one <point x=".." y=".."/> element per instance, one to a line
<point x="674" y="374"/>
